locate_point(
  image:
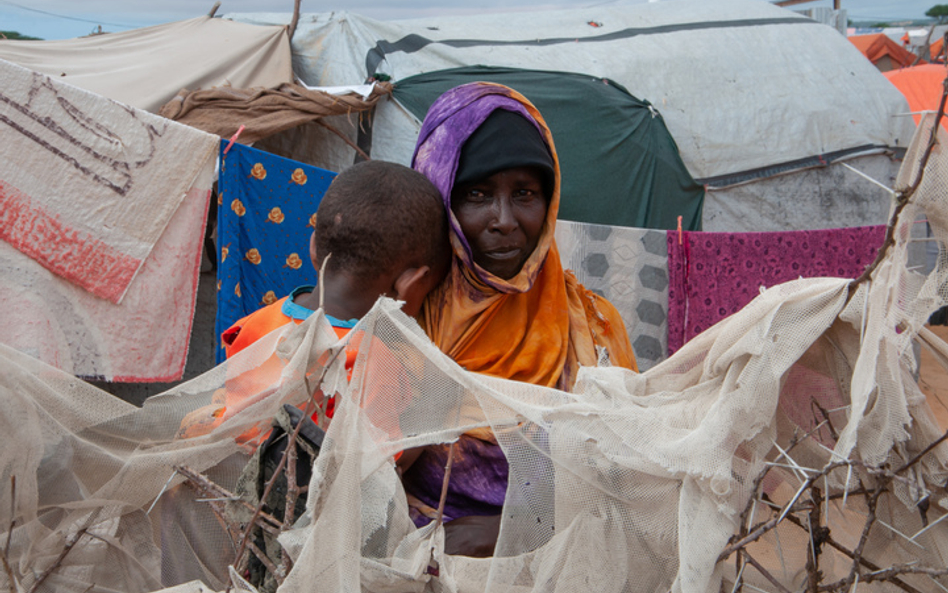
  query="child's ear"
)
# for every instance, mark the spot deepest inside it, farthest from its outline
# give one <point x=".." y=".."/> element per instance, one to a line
<point x="410" y="281"/>
<point x="312" y="251"/>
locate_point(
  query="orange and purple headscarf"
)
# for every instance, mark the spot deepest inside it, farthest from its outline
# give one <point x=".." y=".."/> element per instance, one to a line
<point x="540" y="325"/>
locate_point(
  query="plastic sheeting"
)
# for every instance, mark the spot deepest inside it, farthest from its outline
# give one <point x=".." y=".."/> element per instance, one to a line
<point x="742" y="85"/>
<point x="145" y="68"/>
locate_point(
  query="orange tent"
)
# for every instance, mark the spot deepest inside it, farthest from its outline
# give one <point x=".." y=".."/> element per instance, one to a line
<point x="935" y="49"/>
<point x="883" y="52"/>
<point x="921" y="85"/>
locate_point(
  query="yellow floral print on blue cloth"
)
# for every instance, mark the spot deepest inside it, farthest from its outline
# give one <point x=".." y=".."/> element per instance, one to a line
<point x="265" y="218"/>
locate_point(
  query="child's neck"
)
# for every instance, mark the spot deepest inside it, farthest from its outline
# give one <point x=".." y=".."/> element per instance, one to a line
<point x="343" y="299"/>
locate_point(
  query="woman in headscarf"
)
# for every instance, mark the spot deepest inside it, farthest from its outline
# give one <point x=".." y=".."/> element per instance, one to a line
<point x="507" y="308"/>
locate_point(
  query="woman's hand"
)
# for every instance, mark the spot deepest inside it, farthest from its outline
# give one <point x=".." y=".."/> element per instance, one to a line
<point x="472" y="536"/>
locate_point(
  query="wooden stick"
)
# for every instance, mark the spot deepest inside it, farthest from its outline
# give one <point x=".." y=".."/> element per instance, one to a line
<point x="870" y="520"/>
<point x="59" y="560"/>
<point x="344" y="139"/>
<point x="197" y="480"/>
<point x="14" y="584"/>
<point x="6" y="548"/>
<point x="322" y="274"/>
<point x="924" y="452"/>
<point x="786" y="509"/>
<point x="245" y="537"/>
<point x="848" y="553"/>
<point x="444" y="483"/>
<point x="292" y="494"/>
<point x="814" y="522"/>
<point x="295" y="20"/>
<point x="265" y="560"/>
<point x="765" y="573"/>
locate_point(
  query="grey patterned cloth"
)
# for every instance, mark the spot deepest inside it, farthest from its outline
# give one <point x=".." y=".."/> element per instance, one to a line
<point x="629" y="267"/>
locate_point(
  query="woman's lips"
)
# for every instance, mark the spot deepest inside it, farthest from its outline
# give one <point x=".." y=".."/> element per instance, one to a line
<point x="504" y="254"/>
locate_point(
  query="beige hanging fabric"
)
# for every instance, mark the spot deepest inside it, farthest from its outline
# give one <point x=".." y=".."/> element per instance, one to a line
<point x="785" y="448"/>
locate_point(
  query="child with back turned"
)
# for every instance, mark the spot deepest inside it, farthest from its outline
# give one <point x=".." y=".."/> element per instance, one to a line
<point x="382" y="231"/>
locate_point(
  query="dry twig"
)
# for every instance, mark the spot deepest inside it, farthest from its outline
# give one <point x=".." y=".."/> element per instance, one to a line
<point x="345" y="139"/>
<point x="62" y="556"/>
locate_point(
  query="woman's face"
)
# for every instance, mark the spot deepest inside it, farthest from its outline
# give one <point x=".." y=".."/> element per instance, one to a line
<point x="502" y="217"/>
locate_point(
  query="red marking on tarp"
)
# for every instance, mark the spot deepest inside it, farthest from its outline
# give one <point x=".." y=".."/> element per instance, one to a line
<point x="69" y="253"/>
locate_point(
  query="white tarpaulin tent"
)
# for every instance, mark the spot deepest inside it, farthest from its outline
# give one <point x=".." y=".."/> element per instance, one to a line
<point x="146" y="67"/>
<point x="748" y="90"/>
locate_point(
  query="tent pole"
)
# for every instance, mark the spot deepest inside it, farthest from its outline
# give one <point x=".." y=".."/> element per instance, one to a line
<point x="214" y="9"/>
<point x="296" y="18"/>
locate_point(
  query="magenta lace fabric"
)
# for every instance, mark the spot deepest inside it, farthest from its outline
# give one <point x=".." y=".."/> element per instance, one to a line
<point x="713" y="275"/>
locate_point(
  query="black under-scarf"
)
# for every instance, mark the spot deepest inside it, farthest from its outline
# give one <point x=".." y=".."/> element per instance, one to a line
<point x="505" y="140"/>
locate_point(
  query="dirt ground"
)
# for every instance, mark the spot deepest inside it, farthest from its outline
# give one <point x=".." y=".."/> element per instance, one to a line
<point x="933" y="379"/>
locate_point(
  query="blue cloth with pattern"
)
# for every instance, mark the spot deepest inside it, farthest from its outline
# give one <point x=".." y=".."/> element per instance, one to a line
<point x="266" y="209"/>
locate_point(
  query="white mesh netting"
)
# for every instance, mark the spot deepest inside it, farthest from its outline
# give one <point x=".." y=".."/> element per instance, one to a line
<point x="787" y="436"/>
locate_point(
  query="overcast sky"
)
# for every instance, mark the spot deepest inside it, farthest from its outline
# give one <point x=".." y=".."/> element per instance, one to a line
<point x="63" y="19"/>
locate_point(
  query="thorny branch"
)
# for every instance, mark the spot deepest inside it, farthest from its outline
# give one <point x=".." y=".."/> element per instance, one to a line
<point x="216" y="497"/>
<point x="239" y="560"/>
<point x="848" y="553"/>
<point x="245" y="536"/>
<point x="208" y="488"/>
<point x="810" y="517"/>
<point x="818" y="535"/>
<point x="292" y="493"/>
<point x="765" y="573"/>
<point x="904" y="195"/>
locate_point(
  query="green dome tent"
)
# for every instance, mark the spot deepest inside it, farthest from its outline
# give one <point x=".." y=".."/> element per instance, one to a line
<point x="620" y="166"/>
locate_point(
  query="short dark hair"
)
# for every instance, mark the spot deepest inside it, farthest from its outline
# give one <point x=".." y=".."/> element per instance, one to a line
<point x="378" y="215"/>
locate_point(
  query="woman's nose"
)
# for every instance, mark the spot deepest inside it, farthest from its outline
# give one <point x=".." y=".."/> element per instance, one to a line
<point x="504" y="220"/>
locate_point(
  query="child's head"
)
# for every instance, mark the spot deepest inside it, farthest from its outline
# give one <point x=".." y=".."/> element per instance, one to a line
<point x="385" y="227"/>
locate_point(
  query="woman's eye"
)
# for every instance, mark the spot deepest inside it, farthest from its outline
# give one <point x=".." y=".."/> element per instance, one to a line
<point x="476" y="195"/>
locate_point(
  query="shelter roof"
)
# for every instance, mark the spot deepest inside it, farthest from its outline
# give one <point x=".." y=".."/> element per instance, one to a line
<point x="146" y="67"/>
<point x="737" y="109"/>
<point x="878" y="45"/>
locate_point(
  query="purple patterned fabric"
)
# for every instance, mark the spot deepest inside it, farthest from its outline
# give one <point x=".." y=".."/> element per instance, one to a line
<point x="713" y="275"/>
<point x="478" y="483"/>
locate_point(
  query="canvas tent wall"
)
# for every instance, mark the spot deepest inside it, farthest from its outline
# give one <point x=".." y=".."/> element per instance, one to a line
<point x="146" y="67"/>
<point x="749" y="91"/>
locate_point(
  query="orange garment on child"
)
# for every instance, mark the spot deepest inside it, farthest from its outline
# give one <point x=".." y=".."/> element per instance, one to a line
<point x="249" y="387"/>
<point x="252" y="386"/>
